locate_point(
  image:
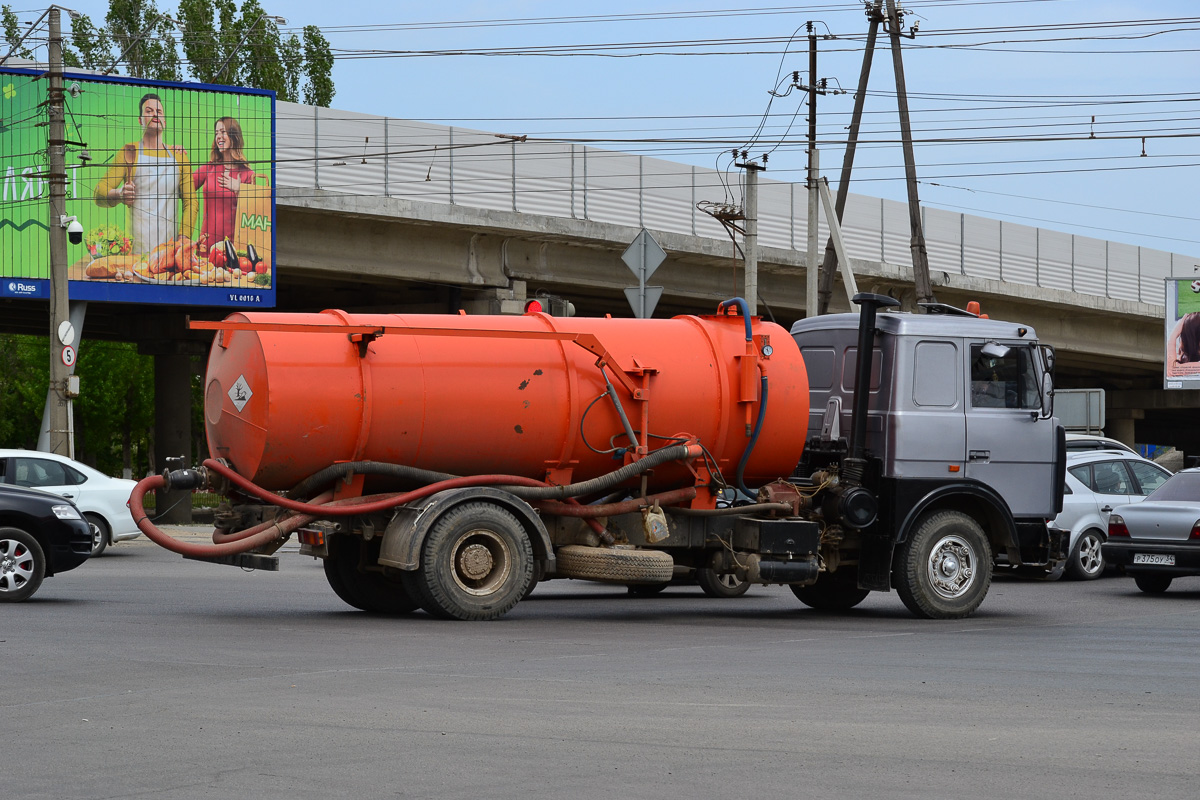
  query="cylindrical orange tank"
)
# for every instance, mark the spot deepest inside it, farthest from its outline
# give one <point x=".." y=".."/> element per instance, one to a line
<point x="280" y="405"/>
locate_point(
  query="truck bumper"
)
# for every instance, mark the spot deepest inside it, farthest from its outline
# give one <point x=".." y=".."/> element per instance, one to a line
<point x="1041" y="545"/>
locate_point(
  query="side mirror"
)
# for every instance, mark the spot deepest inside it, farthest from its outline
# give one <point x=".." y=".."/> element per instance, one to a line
<point x="1047" y="396"/>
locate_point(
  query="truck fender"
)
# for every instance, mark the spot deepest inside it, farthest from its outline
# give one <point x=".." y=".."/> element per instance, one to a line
<point x="974" y="499"/>
<point x="405" y="534"/>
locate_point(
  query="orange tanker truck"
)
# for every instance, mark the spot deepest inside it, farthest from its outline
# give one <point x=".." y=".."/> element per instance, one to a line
<point x="450" y="463"/>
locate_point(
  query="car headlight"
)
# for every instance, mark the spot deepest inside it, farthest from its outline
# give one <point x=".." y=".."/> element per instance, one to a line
<point x="66" y="512"/>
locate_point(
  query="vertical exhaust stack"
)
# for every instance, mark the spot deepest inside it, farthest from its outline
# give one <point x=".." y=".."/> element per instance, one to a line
<point x="857" y="506"/>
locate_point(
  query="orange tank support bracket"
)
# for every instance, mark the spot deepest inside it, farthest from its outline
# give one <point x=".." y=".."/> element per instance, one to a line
<point x="350" y="486"/>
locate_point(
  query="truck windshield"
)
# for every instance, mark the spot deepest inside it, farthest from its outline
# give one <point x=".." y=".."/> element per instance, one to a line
<point x="1007" y="382"/>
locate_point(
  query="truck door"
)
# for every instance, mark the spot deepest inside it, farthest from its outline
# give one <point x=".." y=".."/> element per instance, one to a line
<point x="1008" y="447"/>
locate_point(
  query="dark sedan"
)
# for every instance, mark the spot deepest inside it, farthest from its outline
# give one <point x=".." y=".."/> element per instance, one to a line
<point x="41" y="535"/>
<point x="1158" y="539"/>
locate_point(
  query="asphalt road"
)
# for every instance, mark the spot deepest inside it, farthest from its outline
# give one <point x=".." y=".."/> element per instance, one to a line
<point x="144" y="675"/>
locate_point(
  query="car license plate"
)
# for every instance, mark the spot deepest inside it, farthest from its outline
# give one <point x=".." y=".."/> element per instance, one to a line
<point x="1153" y="558"/>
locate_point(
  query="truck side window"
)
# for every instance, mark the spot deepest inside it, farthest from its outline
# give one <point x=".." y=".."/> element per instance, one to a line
<point x="1008" y="382"/>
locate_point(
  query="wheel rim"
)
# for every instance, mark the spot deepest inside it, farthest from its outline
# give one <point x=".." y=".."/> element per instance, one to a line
<point x="97" y="535"/>
<point x="1091" y="559"/>
<point x="16" y="565"/>
<point x="952" y="567"/>
<point x="480" y="561"/>
<point x="729" y="581"/>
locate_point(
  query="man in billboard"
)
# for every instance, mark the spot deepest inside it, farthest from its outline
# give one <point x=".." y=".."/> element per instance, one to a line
<point x="154" y="180"/>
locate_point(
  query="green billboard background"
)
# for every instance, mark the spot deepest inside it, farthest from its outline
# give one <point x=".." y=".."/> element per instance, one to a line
<point x="103" y="131"/>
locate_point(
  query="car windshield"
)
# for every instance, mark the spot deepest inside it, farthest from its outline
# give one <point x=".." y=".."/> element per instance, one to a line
<point x="1181" y="486"/>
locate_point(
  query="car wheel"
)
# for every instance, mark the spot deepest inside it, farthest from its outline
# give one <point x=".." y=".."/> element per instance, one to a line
<point x="944" y="568"/>
<point x="100" y="536"/>
<point x="715" y="585"/>
<point x="1152" y="584"/>
<point x="1086" y="562"/>
<point x="22" y="565"/>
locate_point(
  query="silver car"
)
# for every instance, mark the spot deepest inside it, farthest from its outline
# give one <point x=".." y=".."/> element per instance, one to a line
<point x="1159" y="540"/>
<point x="1097" y="482"/>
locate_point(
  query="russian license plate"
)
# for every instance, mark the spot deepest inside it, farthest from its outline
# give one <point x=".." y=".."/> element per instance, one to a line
<point x="1154" y="558"/>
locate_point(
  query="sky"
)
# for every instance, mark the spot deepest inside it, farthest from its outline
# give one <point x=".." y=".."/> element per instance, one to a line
<point x="1025" y="110"/>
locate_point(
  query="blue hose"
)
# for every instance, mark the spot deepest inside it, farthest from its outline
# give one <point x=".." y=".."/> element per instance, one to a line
<point x="743" y="308"/>
<point x="762" y="412"/>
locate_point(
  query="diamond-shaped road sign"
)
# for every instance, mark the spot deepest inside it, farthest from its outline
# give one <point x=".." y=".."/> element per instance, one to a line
<point x="653" y="293"/>
<point x="643" y="256"/>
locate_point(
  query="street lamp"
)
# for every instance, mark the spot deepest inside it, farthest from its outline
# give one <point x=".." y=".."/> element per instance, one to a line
<point x="74" y="15"/>
<point x="246" y="35"/>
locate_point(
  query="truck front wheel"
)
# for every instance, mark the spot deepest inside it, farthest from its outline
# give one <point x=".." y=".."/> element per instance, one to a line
<point x="476" y="564"/>
<point x="944" y="568"/>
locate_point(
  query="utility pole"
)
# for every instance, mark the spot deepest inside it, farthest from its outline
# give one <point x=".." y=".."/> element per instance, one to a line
<point x="751" y="236"/>
<point x="62" y="355"/>
<point x="814" y="199"/>
<point x="920" y="255"/>
<point x="829" y="263"/>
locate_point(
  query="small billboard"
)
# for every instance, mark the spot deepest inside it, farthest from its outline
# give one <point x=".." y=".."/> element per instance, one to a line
<point x="1181" y="360"/>
<point x="173" y="184"/>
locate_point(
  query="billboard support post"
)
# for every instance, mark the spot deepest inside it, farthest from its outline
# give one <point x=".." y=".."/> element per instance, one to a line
<point x="56" y="395"/>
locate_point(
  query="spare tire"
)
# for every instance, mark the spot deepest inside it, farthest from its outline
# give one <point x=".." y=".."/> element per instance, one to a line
<point x="615" y="564"/>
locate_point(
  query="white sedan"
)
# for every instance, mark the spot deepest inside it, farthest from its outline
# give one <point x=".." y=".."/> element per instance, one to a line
<point x="102" y="500"/>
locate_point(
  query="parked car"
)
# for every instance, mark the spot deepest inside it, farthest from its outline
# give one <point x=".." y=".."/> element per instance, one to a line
<point x="1089" y="441"/>
<point x="41" y="535"/>
<point x="1159" y="540"/>
<point x="102" y="500"/>
<point x="1097" y="482"/>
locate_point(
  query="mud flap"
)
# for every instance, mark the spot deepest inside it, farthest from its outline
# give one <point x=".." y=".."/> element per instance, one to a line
<point x="875" y="563"/>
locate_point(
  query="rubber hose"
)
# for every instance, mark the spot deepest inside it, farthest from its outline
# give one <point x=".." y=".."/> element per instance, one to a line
<point x="744" y="308"/>
<point x="622" y="507"/>
<point x="762" y="412"/>
<point x="677" y="452"/>
<point x="318" y="480"/>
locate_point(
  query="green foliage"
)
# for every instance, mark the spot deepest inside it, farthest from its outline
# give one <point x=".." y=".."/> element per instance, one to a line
<point x="318" y="68"/>
<point x="114" y="414"/>
<point x="24" y="376"/>
<point x="12" y="33"/>
<point x="220" y="44"/>
<point x="147" y="38"/>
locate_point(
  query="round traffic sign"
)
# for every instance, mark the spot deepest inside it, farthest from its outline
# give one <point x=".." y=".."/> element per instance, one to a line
<point x="68" y="355"/>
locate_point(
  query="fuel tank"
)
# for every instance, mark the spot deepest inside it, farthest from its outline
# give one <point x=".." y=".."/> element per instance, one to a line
<point x="473" y="395"/>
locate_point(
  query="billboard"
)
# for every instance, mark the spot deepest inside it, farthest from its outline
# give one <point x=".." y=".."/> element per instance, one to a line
<point x="1182" y="347"/>
<point x="173" y="184"/>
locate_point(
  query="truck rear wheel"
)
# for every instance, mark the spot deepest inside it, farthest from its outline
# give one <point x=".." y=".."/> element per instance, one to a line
<point x="476" y="563"/>
<point x="833" y="591"/>
<point x="944" y="568"/>
<point x="366" y="591"/>
<point x="721" y="585"/>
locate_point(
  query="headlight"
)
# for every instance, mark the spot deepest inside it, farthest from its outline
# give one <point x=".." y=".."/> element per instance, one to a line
<point x="66" y="512"/>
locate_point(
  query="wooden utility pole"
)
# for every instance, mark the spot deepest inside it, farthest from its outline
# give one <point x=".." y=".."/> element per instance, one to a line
<point x="829" y="264"/>
<point x="920" y="255"/>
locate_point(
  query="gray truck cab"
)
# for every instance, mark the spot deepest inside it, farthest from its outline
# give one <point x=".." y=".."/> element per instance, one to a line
<point x="958" y="417"/>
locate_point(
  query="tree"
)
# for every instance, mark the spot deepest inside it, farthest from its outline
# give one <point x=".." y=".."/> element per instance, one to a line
<point x="219" y="44"/>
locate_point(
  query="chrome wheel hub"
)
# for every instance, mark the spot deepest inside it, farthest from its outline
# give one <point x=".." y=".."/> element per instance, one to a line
<point x="952" y="567"/>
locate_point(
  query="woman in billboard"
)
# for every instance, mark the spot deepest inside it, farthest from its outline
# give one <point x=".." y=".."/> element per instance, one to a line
<point x="1183" y="347"/>
<point x="221" y="179"/>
